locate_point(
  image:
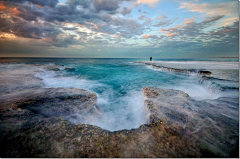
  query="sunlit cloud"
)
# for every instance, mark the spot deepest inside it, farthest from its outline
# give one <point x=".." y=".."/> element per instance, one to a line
<point x="2" y="7"/>
<point x="229" y="21"/>
<point x="170" y="34"/>
<point x="188" y="22"/>
<point x="163" y="29"/>
<point x="148" y="2"/>
<point x="176" y="27"/>
<point x="7" y="35"/>
<point x="117" y="36"/>
<point x="96" y="27"/>
<point x="149" y="36"/>
<point x="210" y="9"/>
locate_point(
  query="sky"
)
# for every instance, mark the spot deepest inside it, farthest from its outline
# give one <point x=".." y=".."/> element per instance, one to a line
<point x="119" y="28"/>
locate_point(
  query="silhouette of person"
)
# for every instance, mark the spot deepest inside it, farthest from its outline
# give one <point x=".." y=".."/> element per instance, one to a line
<point x="150" y="58"/>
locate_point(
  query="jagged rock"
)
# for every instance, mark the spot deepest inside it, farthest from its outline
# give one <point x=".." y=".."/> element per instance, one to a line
<point x="37" y="127"/>
<point x="54" y="69"/>
<point x="59" y="102"/>
<point x="69" y="69"/>
<point x="170" y="68"/>
<point x="204" y="72"/>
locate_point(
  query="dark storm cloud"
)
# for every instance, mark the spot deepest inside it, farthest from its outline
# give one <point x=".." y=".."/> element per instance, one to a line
<point x="82" y="3"/>
<point x="43" y="19"/>
<point x="63" y="42"/>
<point x="20" y="28"/>
<point x="29" y="13"/>
<point x="106" y="5"/>
<point x="50" y="3"/>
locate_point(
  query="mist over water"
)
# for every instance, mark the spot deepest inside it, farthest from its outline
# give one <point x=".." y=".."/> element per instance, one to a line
<point x="118" y="84"/>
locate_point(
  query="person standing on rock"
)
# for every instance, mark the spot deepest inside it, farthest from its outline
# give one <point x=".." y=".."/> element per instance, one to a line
<point x="150" y="58"/>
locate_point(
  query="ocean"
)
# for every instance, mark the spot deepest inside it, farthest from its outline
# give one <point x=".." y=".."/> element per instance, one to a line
<point x="118" y="84"/>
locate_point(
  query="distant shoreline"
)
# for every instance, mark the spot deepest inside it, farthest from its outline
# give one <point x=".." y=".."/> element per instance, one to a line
<point x="225" y="57"/>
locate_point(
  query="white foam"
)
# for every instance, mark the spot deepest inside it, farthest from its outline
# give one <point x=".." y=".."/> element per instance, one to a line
<point x="129" y="113"/>
<point x="198" y="92"/>
<point x="53" y="79"/>
<point x="197" y="64"/>
<point x="119" y="112"/>
<point x="191" y="85"/>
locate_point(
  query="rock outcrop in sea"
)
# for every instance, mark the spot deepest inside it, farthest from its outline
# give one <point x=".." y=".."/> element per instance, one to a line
<point x="209" y="78"/>
<point x="170" y="69"/>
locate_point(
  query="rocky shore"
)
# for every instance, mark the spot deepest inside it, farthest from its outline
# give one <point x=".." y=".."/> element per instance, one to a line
<point x="212" y="79"/>
<point x="34" y="122"/>
<point x="37" y="127"/>
<point x="170" y="69"/>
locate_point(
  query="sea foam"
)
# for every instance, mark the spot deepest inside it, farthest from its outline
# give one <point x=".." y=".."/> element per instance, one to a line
<point x="118" y="111"/>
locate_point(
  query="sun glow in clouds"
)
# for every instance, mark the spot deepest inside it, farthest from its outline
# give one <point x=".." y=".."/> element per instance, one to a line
<point x="123" y="26"/>
<point x="7" y="35"/>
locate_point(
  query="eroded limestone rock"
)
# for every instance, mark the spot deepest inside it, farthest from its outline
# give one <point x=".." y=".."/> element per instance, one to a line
<point x="37" y="127"/>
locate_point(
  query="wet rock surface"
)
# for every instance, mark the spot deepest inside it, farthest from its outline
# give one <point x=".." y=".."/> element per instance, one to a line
<point x="54" y="102"/>
<point x="177" y="70"/>
<point x="34" y="122"/>
<point x="214" y="80"/>
<point x="204" y="122"/>
<point x="169" y="106"/>
<point x="38" y="127"/>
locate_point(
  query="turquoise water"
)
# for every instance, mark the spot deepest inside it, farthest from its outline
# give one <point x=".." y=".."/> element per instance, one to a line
<point x="119" y="82"/>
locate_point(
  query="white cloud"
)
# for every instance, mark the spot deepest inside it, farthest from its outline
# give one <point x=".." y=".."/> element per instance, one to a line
<point x="229" y="21"/>
<point x="148" y="2"/>
<point x="211" y="9"/>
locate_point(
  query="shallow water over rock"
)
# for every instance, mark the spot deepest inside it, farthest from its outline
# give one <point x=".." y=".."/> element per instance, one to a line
<point x="44" y="111"/>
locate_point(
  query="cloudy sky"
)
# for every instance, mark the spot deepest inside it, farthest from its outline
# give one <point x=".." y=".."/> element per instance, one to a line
<point x="119" y="28"/>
